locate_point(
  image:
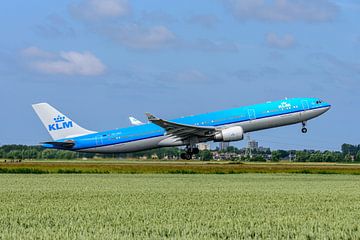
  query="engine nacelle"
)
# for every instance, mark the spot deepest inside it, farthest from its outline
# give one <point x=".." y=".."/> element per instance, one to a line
<point x="229" y="134"/>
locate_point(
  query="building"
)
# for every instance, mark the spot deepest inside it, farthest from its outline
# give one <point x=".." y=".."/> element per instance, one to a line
<point x="264" y="149"/>
<point x="203" y="146"/>
<point x="223" y="146"/>
<point x="253" y="145"/>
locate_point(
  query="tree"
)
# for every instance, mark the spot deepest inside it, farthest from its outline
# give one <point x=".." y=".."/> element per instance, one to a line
<point x="275" y="155"/>
<point x="14" y="154"/>
<point x="283" y="154"/>
<point x="258" y="158"/>
<point x="30" y="153"/>
<point x="206" y="155"/>
<point x="302" y="156"/>
<point x="347" y="158"/>
<point x="357" y="158"/>
<point x="316" y="157"/>
<point x="333" y="156"/>
<point x="232" y="149"/>
<point x="49" y="154"/>
<point x="349" y="149"/>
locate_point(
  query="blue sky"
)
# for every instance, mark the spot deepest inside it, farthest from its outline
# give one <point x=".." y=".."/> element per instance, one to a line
<point x="99" y="61"/>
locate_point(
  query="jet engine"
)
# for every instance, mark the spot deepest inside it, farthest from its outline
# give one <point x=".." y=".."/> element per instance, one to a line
<point x="229" y="134"/>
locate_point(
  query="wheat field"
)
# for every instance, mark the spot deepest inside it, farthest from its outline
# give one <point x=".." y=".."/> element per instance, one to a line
<point x="176" y="206"/>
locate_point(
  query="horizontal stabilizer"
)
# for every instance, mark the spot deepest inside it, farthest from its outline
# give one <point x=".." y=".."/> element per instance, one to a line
<point x="67" y="144"/>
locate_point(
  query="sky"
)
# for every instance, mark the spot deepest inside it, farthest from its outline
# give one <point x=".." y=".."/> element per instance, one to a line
<point x="100" y="61"/>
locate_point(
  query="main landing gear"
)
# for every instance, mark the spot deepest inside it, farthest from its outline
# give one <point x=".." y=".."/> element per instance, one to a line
<point x="189" y="152"/>
<point x="304" y="129"/>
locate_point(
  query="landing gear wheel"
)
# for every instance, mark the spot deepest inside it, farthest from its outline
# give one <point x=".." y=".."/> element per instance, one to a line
<point x="186" y="156"/>
<point x="304" y="129"/>
<point x="195" y="150"/>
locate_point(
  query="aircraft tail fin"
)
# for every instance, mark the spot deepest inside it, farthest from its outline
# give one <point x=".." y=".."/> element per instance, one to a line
<point x="57" y="124"/>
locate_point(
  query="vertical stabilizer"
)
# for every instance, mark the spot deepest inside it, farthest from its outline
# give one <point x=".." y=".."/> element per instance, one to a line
<point x="57" y="124"/>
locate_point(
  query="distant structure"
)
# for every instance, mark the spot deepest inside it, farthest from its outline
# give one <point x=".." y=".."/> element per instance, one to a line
<point x="223" y="145"/>
<point x="253" y="145"/>
<point x="263" y="149"/>
<point x="203" y="146"/>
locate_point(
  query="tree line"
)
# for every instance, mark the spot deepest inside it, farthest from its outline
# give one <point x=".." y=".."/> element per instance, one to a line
<point x="17" y="152"/>
<point x="348" y="153"/>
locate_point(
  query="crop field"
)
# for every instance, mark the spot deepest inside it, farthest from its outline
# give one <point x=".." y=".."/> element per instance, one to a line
<point x="190" y="206"/>
<point x="173" y="167"/>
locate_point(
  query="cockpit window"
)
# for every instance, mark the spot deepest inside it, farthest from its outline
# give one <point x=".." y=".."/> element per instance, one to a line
<point x="318" y="101"/>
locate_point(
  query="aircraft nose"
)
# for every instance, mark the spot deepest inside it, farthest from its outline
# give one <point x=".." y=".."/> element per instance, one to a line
<point x="323" y="109"/>
<point x="328" y="107"/>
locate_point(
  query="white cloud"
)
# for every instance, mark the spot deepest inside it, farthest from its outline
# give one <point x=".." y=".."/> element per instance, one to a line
<point x="36" y="52"/>
<point x="68" y="63"/>
<point x="283" y="10"/>
<point x="136" y="36"/>
<point x="285" y="41"/>
<point x="139" y="37"/>
<point x="100" y="9"/>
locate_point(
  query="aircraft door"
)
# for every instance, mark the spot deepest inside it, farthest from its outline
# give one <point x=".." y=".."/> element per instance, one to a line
<point x="305" y="104"/>
<point x="99" y="140"/>
<point x="251" y="113"/>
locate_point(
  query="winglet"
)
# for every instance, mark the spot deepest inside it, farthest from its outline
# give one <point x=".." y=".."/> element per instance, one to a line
<point x="135" y="122"/>
<point x="151" y="117"/>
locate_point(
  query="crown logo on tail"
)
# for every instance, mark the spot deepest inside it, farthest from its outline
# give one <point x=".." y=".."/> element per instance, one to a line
<point x="59" y="119"/>
<point x="60" y="123"/>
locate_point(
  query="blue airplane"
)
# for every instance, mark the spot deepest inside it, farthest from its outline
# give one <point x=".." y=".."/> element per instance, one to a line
<point x="227" y="125"/>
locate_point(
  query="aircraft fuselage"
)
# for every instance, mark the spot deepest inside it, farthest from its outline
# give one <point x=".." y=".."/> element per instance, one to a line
<point x="249" y="118"/>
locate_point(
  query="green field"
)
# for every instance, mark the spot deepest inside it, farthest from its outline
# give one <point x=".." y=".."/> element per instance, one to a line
<point x="191" y="206"/>
<point x="178" y="167"/>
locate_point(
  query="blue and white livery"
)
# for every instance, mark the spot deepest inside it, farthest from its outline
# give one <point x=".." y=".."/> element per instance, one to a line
<point x="227" y="125"/>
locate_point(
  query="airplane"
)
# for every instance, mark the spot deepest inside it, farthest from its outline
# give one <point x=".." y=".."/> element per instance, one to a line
<point x="227" y="125"/>
<point x="135" y="122"/>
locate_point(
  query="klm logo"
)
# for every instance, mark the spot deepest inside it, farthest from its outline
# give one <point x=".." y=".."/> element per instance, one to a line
<point x="284" y="105"/>
<point x="60" y="123"/>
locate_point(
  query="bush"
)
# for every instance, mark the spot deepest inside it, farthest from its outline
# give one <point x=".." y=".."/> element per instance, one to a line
<point x="258" y="158"/>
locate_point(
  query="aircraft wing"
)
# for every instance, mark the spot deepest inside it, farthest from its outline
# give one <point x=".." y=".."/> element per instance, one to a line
<point x="182" y="130"/>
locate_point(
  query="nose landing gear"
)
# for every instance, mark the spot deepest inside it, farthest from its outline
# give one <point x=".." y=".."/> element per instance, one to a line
<point x="304" y="129"/>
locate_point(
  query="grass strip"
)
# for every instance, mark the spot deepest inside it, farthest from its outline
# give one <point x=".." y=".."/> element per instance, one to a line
<point x="174" y="168"/>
